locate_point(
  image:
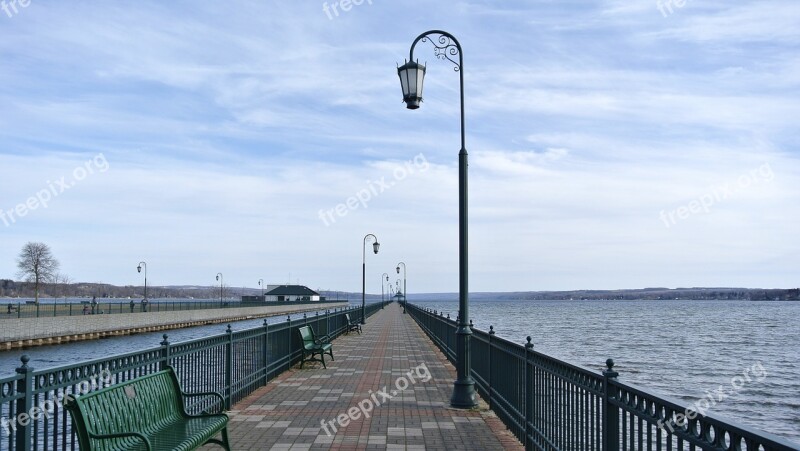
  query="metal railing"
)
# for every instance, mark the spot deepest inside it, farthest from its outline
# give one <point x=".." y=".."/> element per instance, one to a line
<point x="29" y="309"/>
<point x="234" y="364"/>
<point x="553" y="405"/>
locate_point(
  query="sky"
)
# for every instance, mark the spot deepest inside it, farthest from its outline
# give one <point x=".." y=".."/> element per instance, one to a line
<point x="612" y="143"/>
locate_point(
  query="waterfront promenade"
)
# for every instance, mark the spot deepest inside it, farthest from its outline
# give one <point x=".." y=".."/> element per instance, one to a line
<point x="392" y="352"/>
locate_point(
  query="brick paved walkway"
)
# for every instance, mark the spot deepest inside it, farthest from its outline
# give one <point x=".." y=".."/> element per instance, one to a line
<point x="369" y="369"/>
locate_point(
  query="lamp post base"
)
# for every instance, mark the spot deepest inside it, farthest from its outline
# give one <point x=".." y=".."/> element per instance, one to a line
<point x="464" y="396"/>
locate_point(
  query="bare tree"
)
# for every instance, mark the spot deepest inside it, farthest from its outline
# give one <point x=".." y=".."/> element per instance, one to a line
<point x="37" y="265"/>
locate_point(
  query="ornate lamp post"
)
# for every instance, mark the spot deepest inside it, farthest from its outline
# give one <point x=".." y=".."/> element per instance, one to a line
<point x="139" y="270"/>
<point x="375" y="246"/>
<point x="405" y="293"/>
<point x="382" y="286"/>
<point x="412" y="74"/>
<point x="219" y="278"/>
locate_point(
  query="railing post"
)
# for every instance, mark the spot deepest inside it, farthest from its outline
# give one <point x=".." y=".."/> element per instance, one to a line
<point x="229" y="368"/>
<point x="24" y="405"/>
<point x="610" y="411"/>
<point x="164" y="353"/>
<point x="489" y="381"/>
<point x="528" y="393"/>
<point x="289" y="349"/>
<point x="266" y="352"/>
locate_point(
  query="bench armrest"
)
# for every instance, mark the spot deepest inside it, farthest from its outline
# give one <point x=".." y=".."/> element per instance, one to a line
<point x="211" y="393"/>
<point x="323" y="339"/>
<point x="141" y="437"/>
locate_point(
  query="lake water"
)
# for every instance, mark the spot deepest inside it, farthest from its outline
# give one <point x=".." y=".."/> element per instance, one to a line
<point x="681" y="349"/>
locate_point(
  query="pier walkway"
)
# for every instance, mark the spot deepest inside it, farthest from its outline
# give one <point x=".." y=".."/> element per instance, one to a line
<point x="389" y="388"/>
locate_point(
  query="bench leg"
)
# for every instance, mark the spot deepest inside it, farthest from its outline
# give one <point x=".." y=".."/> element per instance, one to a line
<point x="224" y="442"/>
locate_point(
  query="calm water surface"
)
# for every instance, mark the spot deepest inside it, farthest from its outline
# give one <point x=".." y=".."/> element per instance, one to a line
<point x="682" y="349"/>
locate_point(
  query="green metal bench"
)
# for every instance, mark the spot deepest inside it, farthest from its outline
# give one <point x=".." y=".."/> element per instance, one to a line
<point x="146" y="413"/>
<point x="352" y="325"/>
<point x="314" y="346"/>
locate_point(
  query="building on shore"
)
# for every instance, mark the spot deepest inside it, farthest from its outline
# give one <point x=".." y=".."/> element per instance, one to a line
<point x="286" y="293"/>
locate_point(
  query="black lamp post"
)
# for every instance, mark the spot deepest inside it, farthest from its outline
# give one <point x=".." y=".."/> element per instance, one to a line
<point x="412" y="75"/>
<point x="139" y="270"/>
<point x="405" y="293"/>
<point x="382" y="286"/>
<point x="375" y="246"/>
<point x="219" y="278"/>
<point x="261" y="284"/>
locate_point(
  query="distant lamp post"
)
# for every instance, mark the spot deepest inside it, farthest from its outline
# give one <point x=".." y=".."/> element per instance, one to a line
<point x="139" y="270"/>
<point x="261" y="284"/>
<point x="382" y="286"/>
<point x="375" y="246"/>
<point x="219" y="278"/>
<point x="405" y="299"/>
<point x="412" y="75"/>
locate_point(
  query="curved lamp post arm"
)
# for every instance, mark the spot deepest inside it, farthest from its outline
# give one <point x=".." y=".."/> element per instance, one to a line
<point x="446" y="46"/>
<point x="364" y="248"/>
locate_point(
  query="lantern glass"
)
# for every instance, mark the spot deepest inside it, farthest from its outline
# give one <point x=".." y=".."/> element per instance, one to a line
<point x="375" y="246"/>
<point x="412" y="75"/>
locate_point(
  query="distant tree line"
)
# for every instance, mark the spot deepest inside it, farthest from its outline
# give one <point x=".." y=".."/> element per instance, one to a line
<point x="11" y="288"/>
<point x="699" y="294"/>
